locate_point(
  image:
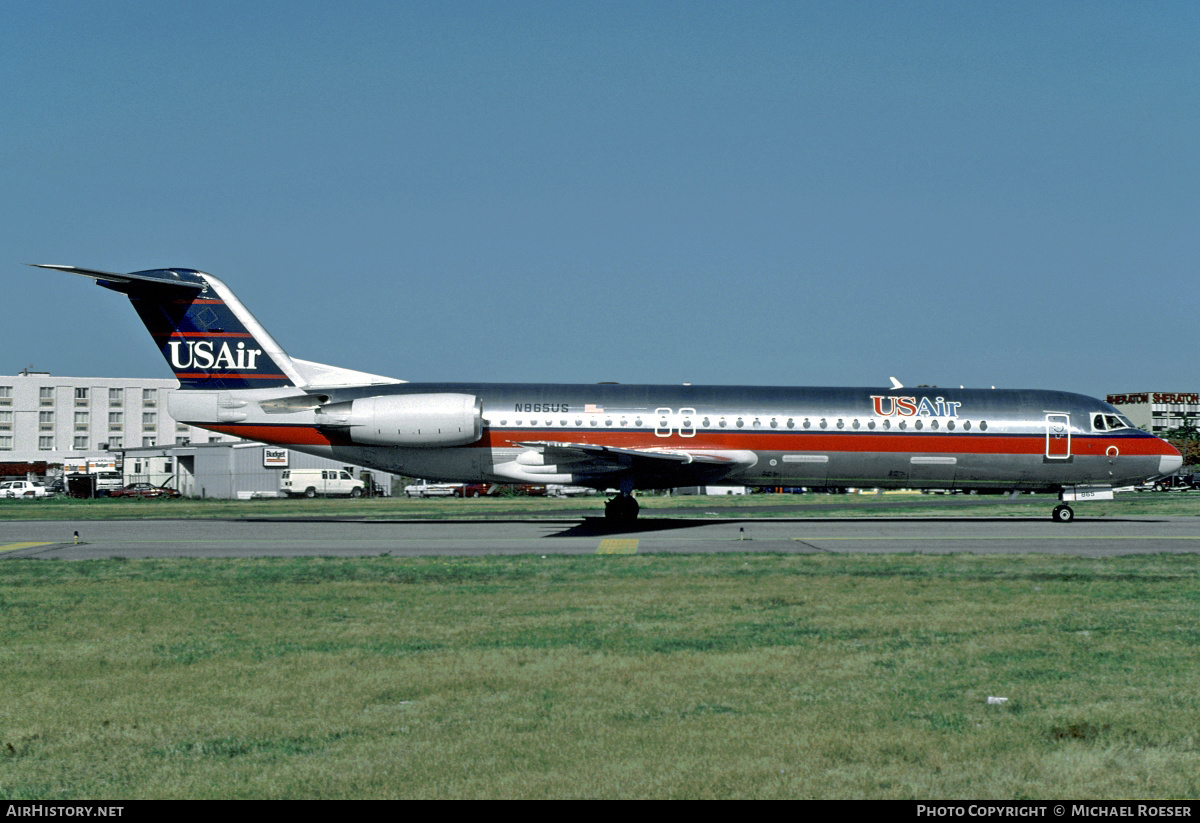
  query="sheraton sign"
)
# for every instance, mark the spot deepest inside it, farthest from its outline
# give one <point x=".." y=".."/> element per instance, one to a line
<point x="1154" y="397"/>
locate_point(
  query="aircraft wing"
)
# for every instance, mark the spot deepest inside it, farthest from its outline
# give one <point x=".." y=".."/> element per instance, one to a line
<point x="584" y="460"/>
<point x="557" y="452"/>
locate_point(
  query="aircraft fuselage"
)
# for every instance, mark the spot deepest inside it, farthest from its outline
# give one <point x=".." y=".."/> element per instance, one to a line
<point x="983" y="439"/>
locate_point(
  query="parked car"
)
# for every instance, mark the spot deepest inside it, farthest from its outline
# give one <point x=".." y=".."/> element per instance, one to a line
<point x="1175" y="482"/>
<point x="475" y="490"/>
<point x="424" y="489"/>
<point x="108" y="482"/>
<point x="569" y="491"/>
<point x="143" y="490"/>
<point x="22" y="489"/>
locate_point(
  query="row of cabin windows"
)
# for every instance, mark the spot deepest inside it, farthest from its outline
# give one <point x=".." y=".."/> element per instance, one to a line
<point x="756" y="423"/>
<point x="1100" y="422"/>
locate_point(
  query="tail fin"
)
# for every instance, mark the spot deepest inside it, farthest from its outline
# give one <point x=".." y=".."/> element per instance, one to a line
<point x="209" y="339"/>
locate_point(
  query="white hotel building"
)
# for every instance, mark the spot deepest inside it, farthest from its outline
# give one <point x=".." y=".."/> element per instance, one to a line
<point x="123" y="423"/>
<point x="52" y="419"/>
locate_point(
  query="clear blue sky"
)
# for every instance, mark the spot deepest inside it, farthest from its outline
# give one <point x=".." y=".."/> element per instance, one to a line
<point x="797" y="193"/>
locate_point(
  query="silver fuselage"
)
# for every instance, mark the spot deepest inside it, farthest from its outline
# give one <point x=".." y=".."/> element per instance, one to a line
<point x="982" y="439"/>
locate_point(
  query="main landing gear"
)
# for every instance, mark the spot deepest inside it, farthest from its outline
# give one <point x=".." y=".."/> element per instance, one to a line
<point x="624" y="507"/>
<point x="621" y="509"/>
<point x="1063" y="513"/>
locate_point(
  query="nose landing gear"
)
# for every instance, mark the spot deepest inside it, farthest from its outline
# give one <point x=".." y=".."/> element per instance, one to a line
<point x="1063" y="514"/>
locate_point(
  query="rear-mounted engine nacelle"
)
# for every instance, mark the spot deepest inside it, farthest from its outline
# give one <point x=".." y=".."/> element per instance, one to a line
<point x="421" y="420"/>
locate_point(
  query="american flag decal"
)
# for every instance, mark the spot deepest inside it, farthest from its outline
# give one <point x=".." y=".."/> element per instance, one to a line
<point x="592" y="408"/>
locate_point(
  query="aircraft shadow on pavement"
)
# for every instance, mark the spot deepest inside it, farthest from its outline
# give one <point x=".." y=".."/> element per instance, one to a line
<point x="599" y="527"/>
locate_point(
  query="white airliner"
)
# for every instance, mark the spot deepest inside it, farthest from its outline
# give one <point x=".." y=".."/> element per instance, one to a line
<point x="235" y="378"/>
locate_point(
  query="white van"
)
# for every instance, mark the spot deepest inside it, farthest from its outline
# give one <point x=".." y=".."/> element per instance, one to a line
<point x="319" y="482"/>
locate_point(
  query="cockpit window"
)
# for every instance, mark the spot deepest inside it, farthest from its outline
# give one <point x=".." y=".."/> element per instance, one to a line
<point x="1117" y="421"/>
<point x="1110" y="422"/>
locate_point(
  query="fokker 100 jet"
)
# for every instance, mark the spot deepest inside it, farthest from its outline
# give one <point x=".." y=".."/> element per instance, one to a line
<point x="234" y="378"/>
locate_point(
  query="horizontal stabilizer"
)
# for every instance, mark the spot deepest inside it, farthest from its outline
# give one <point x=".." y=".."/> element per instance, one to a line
<point x="158" y="278"/>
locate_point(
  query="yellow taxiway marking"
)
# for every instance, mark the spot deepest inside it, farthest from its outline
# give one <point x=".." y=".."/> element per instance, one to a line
<point x="615" y="546"/>
<point x="12" y="547"/>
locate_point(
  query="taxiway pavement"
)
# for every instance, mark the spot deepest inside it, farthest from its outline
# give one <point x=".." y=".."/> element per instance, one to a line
<point x="344" y="537"/>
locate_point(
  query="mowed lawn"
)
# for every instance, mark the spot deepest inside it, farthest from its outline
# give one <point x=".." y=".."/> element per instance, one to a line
<point x="658" y="676"/>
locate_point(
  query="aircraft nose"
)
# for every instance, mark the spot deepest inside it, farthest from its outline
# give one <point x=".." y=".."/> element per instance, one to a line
<point x="1169" y="463"/>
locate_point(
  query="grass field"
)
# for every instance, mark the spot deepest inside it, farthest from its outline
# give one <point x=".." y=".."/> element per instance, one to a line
<point x="723" y="676"/>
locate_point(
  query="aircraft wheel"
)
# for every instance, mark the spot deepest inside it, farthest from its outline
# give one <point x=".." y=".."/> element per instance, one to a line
<point x="621" y="509"/>
<point x="1063" y="514"/>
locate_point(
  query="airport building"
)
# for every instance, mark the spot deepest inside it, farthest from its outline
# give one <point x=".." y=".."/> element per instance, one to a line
<point x="92" y="424"/>
<point x="1158" y="412"/>
<point x="236" y="470"/>
<point x="50" y="419"/>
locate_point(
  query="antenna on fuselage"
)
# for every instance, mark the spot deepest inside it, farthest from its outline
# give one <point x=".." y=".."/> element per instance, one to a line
<point x="896" y="384"/>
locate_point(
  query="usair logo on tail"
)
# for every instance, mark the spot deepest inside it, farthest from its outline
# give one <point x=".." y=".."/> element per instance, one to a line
<point x="192" y="354"/>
